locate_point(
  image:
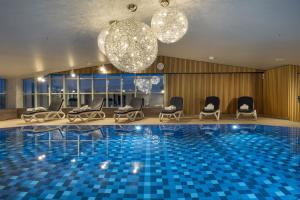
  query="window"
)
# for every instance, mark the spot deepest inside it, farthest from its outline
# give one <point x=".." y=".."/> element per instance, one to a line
<point x="43" y="93"/>
<point x="28" y="93"/>
<point x="57" y="83"/>
<point x="128" y="90"/>
<point x="154" y="97"/>
<point x="71" y="92"/>
<point x="116" y="89"/>
<point x="2" y="93"/>
<point x="86" y="89"/>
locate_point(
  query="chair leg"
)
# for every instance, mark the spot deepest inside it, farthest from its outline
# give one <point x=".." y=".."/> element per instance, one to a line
<point x="218" y="113"/>
<point x="180" y="114"/>
<point x="255" y="115"/>
<point x="161" y="117"/>
<point x="237" y="115"/>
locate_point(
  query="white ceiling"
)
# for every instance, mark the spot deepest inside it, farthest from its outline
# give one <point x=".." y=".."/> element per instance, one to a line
<point x="41" y="36"/>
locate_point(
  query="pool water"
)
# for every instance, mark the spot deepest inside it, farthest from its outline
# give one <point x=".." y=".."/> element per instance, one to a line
<point x="150" y="162"/>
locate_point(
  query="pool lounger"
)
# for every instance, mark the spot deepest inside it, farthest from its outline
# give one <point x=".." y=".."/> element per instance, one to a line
<point x="215" y="111"/>
<point x="53" y="112"/>
<point x="131" y="114"/>
<point x="176" y="113"/>
<point x="246" y="107"/>
<point x="93" y="112"/>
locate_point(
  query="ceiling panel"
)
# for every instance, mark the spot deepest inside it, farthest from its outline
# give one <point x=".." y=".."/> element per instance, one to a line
<point x="42" y="36"/>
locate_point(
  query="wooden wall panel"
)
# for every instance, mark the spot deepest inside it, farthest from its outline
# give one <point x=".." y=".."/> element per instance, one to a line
<point x="281" y="88"/>
<point x="276" y="92"/>
<point x="294" y="92"/>
<point x="296" y="113"/>
<point x="195" y="87"/>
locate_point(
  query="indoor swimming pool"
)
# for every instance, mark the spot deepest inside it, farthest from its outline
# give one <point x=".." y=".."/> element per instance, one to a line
<point x="150" y="162"/>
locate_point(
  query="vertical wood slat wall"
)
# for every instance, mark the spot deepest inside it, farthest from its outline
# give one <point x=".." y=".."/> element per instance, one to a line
<point x="276" y="92"/>
<point x="281" y="88"/>
<point x="195" y="80"/>
<point x="228" y="87"/>
<point x="294" y="90"/>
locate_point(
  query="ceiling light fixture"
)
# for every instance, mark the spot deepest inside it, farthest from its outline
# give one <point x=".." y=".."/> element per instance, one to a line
<point x="101" y="39"/>
<point x="160" y="66"/>
<point x="169" y="24"/>
<point x="211" y="58"/>
<point x="130" y="45"/>
<point x="143" y="84"/>
<point x="164" y="3"/>
<point x="102" y="36"/>
<point x="41" y="79"/>
<point x="103" y="69"/>
<point x="279" y="59"/>
<point x="72" y="74"/>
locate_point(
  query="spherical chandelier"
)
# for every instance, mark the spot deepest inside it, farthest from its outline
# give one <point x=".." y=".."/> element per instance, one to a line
<point x="143" y="84"/>
<point x="169" y="24"/>
<point x="101" y="39"/>
<point x="155" y="80"/>
<point x="131" y="46"/>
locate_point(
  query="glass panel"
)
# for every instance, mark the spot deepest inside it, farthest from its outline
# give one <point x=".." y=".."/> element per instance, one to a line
<point x="114" y="100"/>
<point x="160" y="86"/>
<point x="57" y="86"/>
<point x="59" y="76"/>
<point x="28" y="86"/>
<point x="100" y="75"/>
<point x="2" y="86"/>
<point x="2" y="101"/>
<point x="146" y="98"/>
<point x="85" y="99"/>
<point x="53" y="96"/>
<point x="128" y="84"/>
<point x="42" y="87"/>
<point x="152" y="100"/>
<point x="71" y="85"/>
<point x="43" y="100"/>
<point x="72" y="100"/>
<point x="86" y="75"/>
<point x="98" y="96"/>
<point x="85" y="85"/>
<point x="156" y="100"/>
<point x="99" y="85"/>
<point x="114" y="85"/>
<point x="127" y="98"/>
<point x="28" y="101"/>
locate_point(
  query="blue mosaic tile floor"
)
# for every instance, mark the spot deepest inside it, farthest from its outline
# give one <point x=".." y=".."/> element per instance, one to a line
<point x="150" y="162"/>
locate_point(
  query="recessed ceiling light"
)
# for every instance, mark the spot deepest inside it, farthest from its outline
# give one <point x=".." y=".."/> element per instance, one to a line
<point x="41" y="79"/>
<point x="102" y="69"/>
<point x="279" y="59"/>
<point x="72" y="74"/>
<point x="211" y="57"/>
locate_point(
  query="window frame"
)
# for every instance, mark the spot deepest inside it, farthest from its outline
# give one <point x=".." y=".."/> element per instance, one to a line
<point x="63" y="78"/>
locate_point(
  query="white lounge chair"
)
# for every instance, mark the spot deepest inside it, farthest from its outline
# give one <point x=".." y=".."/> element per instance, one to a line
<point x="212" y="107"/>
<point x="54" y="111"/>
<point x="246" y="107"/>
<point x="176" y="113"/>
<point x="93" y="112"/>
<point x="136" y="110"/>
